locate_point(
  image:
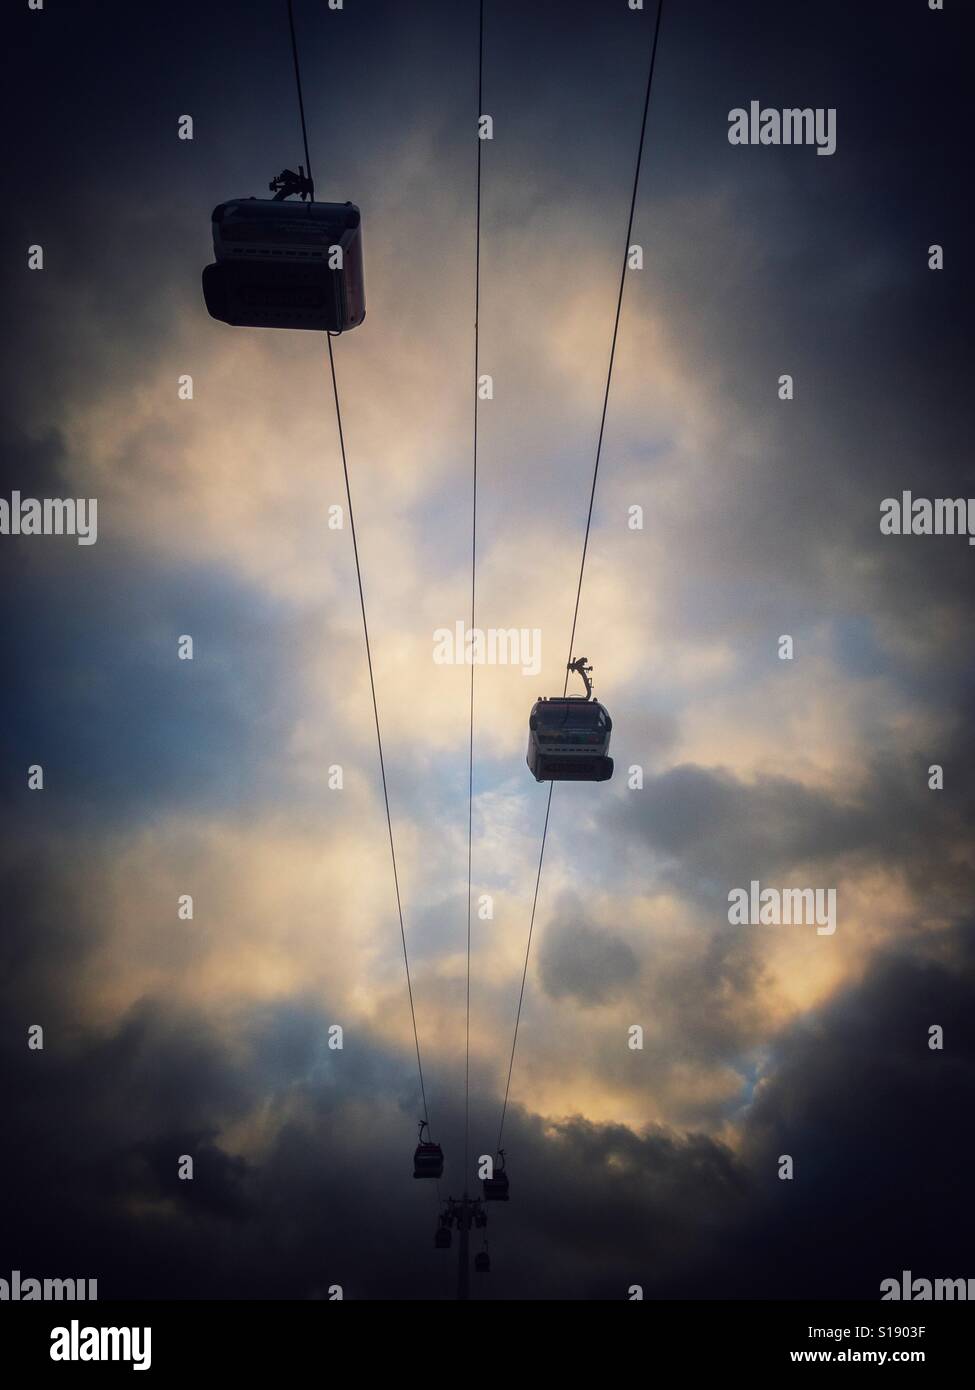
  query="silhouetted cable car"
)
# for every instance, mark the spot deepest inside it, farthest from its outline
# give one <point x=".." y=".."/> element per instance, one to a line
<point x="428" y="1158"/>
<point x="286" y="265"/>
<point x="496" y="1187"/>
<point x="442" y="1238"/>
<point x="568" y="736"/>
<point x="482" y="1262"/>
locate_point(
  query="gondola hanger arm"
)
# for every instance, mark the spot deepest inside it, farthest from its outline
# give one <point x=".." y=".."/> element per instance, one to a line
<point x="288" y="182"/>
<point x="583" y="669"/>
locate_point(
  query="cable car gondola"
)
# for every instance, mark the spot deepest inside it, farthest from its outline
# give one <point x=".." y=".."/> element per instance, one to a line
<point x="496" y="1187"/>
<point x="441" y="1239"/>
<point x="428" y="1158"/>
<point x="568" y="735"/>
<point x="482" y="1261"/>
<point x="286" y="265"/>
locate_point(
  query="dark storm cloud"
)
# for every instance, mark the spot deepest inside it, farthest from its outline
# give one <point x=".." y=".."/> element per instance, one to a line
<point x="715" y="824"/>
<point x="877" y="1124"/>
<point x="585" y="963"/>
<point x="711" y="830"/>
<point x="49" y="930"/>
<point x="35" y="466"/>
<point x="97" y="696"/>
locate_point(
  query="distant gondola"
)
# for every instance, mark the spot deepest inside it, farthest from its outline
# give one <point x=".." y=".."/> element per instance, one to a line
<point x="428" y="1158"/>
<point x="568" y="736"/>
<point x="286" y="265"/>
<point x="496" y="1187"/>
<point x="482" y="1262"/>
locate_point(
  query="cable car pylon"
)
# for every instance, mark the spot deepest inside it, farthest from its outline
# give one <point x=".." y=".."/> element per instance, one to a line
<point x="463" y="1213"/>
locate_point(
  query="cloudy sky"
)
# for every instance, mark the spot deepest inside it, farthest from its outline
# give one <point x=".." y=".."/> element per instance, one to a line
<point x="165" y="1037"/>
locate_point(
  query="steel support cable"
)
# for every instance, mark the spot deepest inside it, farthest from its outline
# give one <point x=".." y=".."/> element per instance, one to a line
<point x="470" y="764"/>
<point x="375" y="710"/>
<point x="362" y="606"/>
<point x="585" y="543"/>
<point x="301" y="102"/>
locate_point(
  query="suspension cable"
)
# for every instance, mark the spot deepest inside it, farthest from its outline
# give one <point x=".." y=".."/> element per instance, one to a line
<point x="375" y="710"/>
<point x="524" y="973"/>
<point x="362" y="607"/>
<point x="301" y="103"/>
<point x="470" y="764"/>
<point x="585" y="543"/>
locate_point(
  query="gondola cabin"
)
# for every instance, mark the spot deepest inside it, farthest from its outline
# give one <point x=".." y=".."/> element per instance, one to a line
<point x="428" y="1161"/>
<point x="482" y="1262"/>
<point x="428" y="1157"/>
<point x="568" y="740"/>
<point x="496" y="1186"/>
<point x="286" y="265"/>
<point x="441" y="1237"/>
